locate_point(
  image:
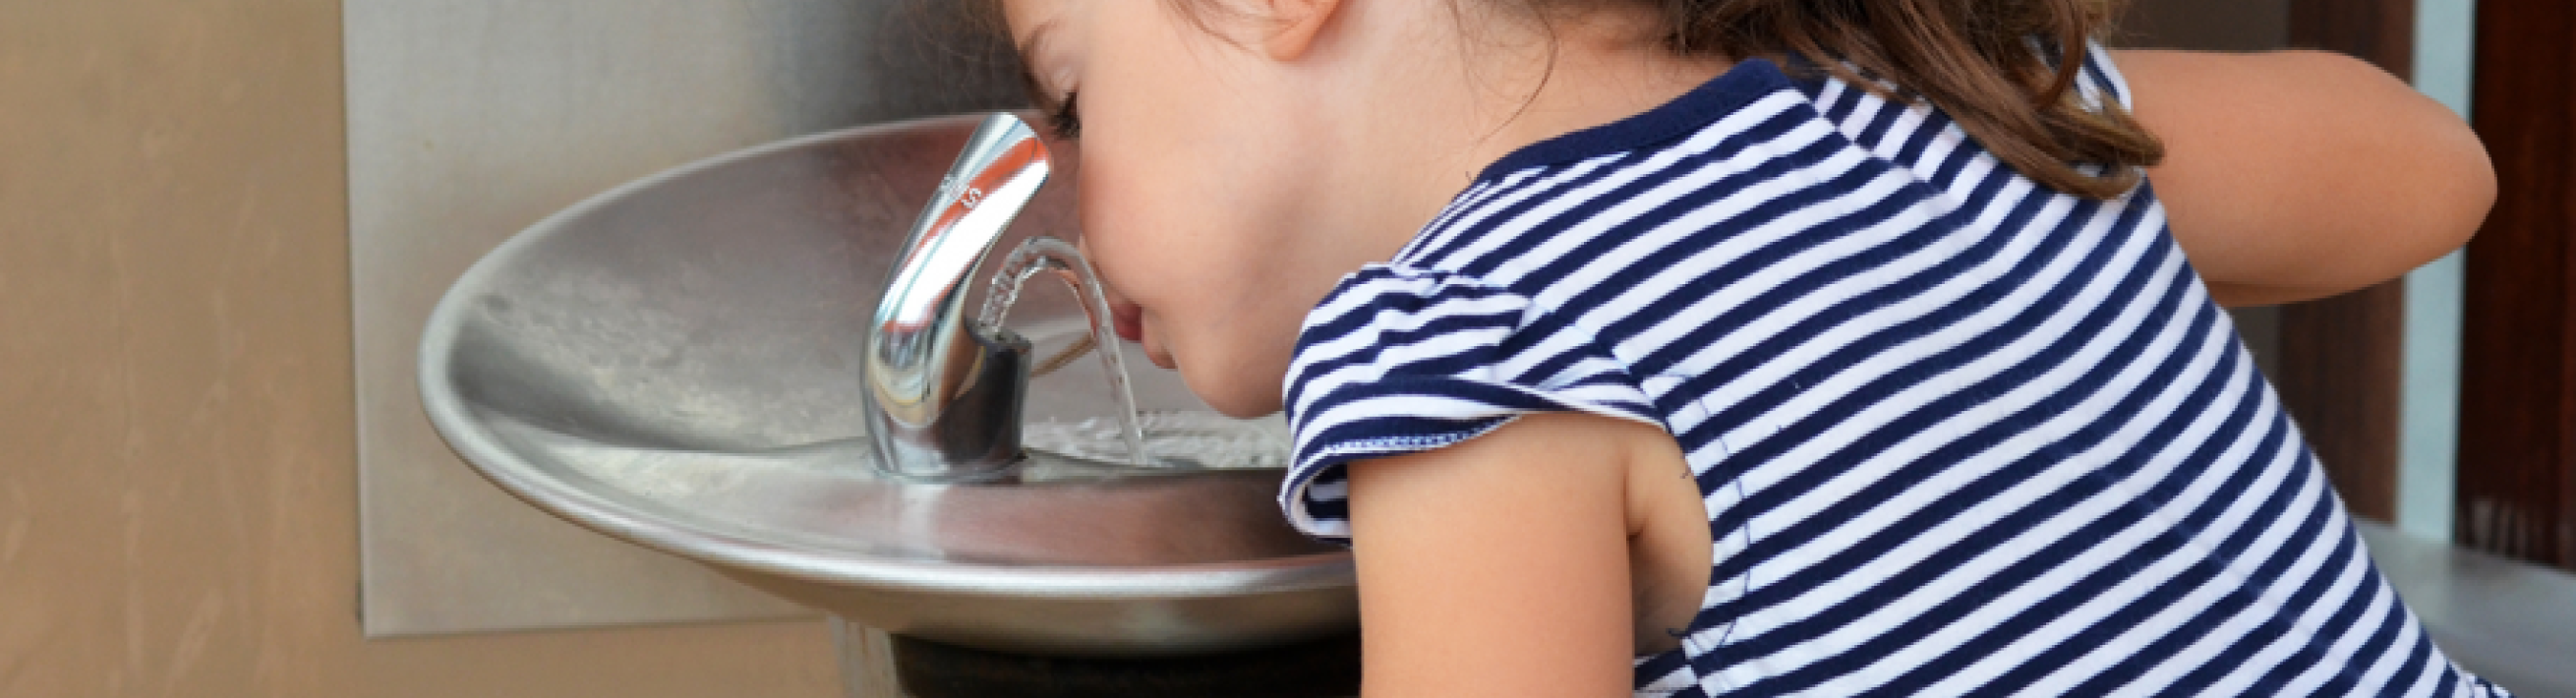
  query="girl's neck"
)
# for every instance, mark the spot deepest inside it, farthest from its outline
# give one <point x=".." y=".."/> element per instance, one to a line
<point x="1462" y="100"/>
<point x="1604" y="68"/>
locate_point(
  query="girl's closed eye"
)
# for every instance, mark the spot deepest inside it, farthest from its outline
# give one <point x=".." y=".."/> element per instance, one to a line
<point x="1066" y="122"/>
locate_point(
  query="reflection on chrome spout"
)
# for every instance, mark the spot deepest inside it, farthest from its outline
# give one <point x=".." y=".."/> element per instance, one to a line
<point x="943" y="395"/>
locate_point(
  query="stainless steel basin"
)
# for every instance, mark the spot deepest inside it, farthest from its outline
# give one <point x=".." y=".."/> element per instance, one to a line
<point x="676" y="363"/>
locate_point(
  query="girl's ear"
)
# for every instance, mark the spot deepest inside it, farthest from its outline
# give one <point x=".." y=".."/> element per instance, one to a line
<point x="1294" y="25"/>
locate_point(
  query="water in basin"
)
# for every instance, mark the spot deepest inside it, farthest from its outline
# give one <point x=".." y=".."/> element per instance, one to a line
<point x="1178" y="439"/>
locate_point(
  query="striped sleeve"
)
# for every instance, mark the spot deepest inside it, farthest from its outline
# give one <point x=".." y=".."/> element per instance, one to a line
<point x="1398" y="361"/>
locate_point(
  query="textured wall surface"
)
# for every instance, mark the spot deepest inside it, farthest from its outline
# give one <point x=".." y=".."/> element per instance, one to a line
<point x="177" y="494"/>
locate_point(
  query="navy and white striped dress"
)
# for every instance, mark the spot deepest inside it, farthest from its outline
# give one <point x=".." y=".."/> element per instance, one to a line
<point x="1957" y="433"/>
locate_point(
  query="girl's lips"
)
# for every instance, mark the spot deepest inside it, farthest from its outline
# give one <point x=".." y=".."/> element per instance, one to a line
<point x="1130" y="320"/>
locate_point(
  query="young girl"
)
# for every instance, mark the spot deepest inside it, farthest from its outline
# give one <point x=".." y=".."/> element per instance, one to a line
<point x="1756" y="347"/>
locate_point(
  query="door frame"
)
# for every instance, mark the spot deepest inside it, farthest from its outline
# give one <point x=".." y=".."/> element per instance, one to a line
<point x="2517" y="448"/>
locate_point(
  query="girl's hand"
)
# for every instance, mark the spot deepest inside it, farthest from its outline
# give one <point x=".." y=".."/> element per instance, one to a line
<point x="1500" y="566"/>
<point x="2298" y="174"/>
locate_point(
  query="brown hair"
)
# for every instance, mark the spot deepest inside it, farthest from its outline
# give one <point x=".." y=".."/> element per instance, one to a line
<point x="2004" y="70"/>
<point x="1979" y="61"/>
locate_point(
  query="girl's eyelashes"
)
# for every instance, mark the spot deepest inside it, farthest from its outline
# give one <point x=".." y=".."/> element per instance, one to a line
<point x="1066" y="121"/>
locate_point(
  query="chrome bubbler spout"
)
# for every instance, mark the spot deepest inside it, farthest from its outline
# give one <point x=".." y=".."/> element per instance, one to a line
<point x="944" y="394"/>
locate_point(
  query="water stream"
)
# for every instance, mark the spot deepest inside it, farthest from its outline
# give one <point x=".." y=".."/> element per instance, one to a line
<point x="1041" y="254"/>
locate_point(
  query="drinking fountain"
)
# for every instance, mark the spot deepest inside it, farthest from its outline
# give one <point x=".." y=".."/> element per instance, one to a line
<point x="705" y="362"/>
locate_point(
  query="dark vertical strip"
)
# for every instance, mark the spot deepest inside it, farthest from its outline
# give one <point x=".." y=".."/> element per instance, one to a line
<point x="2340" y="357"/>
<point x="2379" y="31"/>
<point x="2517" y="479"/>
<point x="2339" y="377"/>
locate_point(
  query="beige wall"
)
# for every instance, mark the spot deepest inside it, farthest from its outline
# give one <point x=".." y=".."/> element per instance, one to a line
<point x="177" y="493"/>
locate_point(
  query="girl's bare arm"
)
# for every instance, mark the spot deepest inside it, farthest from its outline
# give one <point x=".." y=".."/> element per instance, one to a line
<point x="1499" y="566"/>
<point x="2298" y="174"/>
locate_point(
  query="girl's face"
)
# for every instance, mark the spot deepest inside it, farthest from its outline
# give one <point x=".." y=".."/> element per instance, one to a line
<point x="1196" y="175"/>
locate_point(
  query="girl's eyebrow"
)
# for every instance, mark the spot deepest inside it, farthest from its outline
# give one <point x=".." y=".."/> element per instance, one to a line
<point x="1029" y="52"/>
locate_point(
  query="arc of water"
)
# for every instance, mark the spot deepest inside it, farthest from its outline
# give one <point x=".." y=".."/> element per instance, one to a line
<point x="1045" y="253"/>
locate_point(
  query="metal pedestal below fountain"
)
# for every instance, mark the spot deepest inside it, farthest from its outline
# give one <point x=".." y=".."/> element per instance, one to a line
<point x="1327" y="668"/>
